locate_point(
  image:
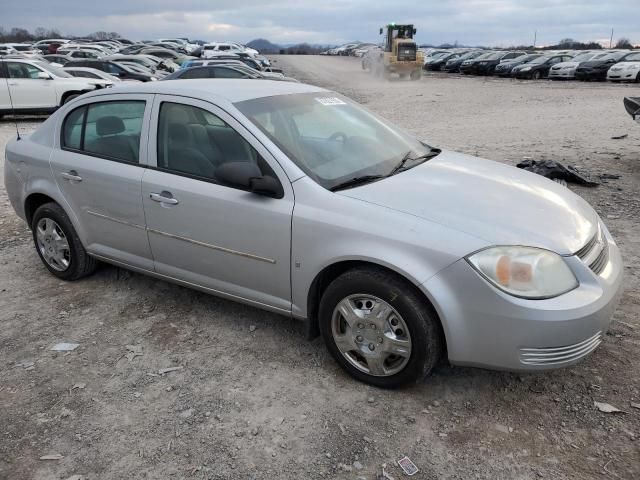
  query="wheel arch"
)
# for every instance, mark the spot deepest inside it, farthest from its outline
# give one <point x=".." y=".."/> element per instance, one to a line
<point x="332" y="271"/>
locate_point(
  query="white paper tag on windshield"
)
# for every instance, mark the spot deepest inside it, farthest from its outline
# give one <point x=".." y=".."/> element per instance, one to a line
<point x="327" y="101"/>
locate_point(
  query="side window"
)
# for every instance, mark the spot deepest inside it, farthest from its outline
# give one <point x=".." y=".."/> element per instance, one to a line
<point x="106" y="129"/>
<point x="112" y="69"/>
<point x="196" y="142"/>
<point x="228" y="73"/>
<point x="22" y="70"/>
<point x="195" y="73"/>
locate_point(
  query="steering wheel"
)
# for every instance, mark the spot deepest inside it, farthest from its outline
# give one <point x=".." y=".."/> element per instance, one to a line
<point x="338" y="135"/>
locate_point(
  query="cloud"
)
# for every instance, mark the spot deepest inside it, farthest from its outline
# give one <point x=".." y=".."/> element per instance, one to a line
<point x="490" y="22"/>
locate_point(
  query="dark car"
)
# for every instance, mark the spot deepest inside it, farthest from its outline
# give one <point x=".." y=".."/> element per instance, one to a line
<point x="539" y="67"/>
<point x="437" y="63"/>
<point x="59" y="59"/>
<point x="503" y="69"/>
<point x="211" y="71"/>
<point x="597" y="69"/>
<point x="113" y="68"/>
<point x="453" y="65"/>
<point x="469" y="67"/>
<point x="487" y="65"/>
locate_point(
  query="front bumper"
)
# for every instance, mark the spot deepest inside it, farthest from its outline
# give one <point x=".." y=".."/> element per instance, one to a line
<point x="591" y="74"/>
<point x="486" y="327"/>
<point x="563" y="74"/>
<point x="622" y="75"/>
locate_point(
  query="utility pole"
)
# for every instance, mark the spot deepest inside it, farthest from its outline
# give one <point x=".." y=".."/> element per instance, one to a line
<point x="535" y="38"/>
<point x="611" y="40"/>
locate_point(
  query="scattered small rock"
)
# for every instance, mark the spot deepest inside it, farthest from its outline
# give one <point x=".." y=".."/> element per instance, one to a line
<point x="607" y="408"/>
<point x="79" y="386"/>
<point x="162" y="371"/>
<point x="252" y="328"/>
<point x="65" y="347"/>
<point x="371" y="399"/>
<point x="52" y="456"/>
<point x="133" y="351"/>
<point x="357" y="465"/>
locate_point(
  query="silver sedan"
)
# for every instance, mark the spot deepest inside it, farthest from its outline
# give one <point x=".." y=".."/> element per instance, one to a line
<point x="295" y="199"/>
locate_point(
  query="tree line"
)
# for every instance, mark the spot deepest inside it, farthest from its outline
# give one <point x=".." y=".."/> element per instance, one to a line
<point x="20" y="35"/>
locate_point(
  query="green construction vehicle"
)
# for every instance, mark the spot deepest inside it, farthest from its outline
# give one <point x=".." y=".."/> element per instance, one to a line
<point x="399" y="53"/>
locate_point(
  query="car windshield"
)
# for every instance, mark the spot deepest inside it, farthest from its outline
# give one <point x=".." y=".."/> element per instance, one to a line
<point x="528" y="58"/>
<point x="539" y="60"/>
<point x="57" y="71"/>
<point x="330" y="138"/>
<point x="634" y="57"/>
<point x="494" y="56"/>
<point x="611" y="56"/>
<point x="583" y="57"/>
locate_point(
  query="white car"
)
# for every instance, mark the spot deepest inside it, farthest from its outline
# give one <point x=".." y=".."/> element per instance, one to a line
<point x="99" y="49"/>
<point x="23" y="49"/>
<point x="37" y="86"/>
<point x="567" y="70"/>
<point x="189" y="47"/>
<point x="627" y="71"/>
<point x="95" y="75"/>
<point x="210" y="50"/>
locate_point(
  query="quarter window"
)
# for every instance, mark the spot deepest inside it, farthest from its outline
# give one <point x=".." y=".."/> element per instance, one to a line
<point x="195" y="142"/>
<point x="106" y="129"/>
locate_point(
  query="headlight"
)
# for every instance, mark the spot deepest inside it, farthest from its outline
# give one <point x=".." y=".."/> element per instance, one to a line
<point x="525" y="271"/>
<point x="525" y="69"/>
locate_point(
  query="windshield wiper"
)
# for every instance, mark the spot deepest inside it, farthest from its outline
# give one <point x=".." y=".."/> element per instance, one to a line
<point x="356" y="181"/>
<point x="401" y="164"/>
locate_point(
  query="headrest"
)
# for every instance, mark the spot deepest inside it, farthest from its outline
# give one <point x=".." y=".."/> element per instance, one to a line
<point x="109" y="125"/>
<point x="177" y="132"/>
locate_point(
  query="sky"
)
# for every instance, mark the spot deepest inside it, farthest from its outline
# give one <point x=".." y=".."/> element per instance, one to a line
<point x="471" y="22"/>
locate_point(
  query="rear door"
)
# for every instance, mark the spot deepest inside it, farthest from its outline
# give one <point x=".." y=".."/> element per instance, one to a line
<point x="98" y="166"/>
<point x="224" y="239"/>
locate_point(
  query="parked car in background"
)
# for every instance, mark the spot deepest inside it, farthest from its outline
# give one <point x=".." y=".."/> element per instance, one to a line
<point x="61" y="60"/>
<point x="538" y="67"/>
<point x="8" y="50"/>
<point x="453" y="65"/>
<point x="503" y="69"/>
<point x="437" y="62"/>
<point x="49" y="45"/>
<point x="487" y="65"/>
<point x="469" y="66"/>
<point x="33" y="86"/>
<point x="567" y="70"/>
<point x="226" y="58"/>
<point x="210" y="49"/>
<point x="25" y="50"/>
<point x="627" y="70"/>
<point x="212" y="71"/>
<point x="165" y="53"/>
<point x="95" y="74"/>
<point x="80" y="53"/>
<point x="596" y="69"/>
<point x="116" y="69"/>
<point x="263" y="192"/>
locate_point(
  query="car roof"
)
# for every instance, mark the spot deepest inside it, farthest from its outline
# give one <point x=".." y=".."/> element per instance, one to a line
<point x="231" y="90"/>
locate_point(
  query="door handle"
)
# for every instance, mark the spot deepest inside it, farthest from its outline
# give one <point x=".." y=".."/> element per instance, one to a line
<point x="164" y="197"/>
<point x="71" y="175"/>
<point x="13" y="84"/>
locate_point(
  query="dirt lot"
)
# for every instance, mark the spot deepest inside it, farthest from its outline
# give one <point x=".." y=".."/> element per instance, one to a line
<point x="253" y="399"/>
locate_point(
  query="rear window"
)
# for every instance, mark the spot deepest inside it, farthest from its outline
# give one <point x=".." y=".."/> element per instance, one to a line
<point x="109" y="130"/>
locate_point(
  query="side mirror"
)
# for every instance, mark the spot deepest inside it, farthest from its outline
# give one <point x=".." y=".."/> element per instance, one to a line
<point x="248" y="176"/>
<point x="380" y="31"/>
<point x="43" y="76"/>
<point x="415" y="30"/>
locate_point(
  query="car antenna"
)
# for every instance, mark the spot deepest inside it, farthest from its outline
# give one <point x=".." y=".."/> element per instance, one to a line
<point x="6" y="79"/>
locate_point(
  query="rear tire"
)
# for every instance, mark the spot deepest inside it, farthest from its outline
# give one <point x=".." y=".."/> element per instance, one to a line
<point x="76" y="263"/>
<point x="536" y="75"/>
<point x="393" y="305"/>
<point x="416" y="75"/>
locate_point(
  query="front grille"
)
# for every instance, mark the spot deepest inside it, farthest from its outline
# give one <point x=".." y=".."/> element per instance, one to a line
<point x="406" y="53"/>
<point x="560" y="355"/>
<point x="595" y="253"/>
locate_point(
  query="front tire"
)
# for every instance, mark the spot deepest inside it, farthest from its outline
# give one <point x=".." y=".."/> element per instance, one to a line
<point x="70" y="97"/>
<point x="379" y="328"/>
<point x="536" y="75"/>
<point x="58" y="244"/>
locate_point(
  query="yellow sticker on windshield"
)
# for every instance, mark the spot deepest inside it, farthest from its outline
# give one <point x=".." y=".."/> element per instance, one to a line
<point x="330" y="101"/>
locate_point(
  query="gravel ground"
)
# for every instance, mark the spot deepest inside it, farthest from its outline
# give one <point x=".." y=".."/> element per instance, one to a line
<point x="253" y="399"/>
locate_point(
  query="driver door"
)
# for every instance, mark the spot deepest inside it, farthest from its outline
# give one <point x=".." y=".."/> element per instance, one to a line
<point x="223" y="239"/>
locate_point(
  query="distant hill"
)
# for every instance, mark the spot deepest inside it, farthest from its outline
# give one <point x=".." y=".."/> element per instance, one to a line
<point x="264" y="46"/>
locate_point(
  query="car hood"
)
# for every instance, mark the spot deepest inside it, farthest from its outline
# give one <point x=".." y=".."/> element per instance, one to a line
<point x="498" y="203"/>
<point x="595" y="64"/>
<point x="625" y="65"/>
